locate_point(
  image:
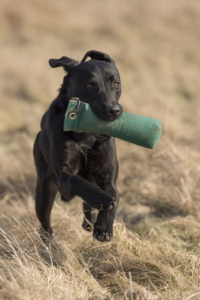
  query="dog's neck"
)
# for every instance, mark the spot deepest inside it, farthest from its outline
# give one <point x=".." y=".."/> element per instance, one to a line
<point x="87" y="140"/>
<point x="84" y="139"/>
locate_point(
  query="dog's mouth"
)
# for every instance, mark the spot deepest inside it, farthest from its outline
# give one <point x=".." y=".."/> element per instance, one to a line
<point x="107" y="113"/>
<point x="101" y="137"/>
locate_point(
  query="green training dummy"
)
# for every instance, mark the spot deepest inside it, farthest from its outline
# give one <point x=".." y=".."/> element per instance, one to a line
<point x="135" y="129"/>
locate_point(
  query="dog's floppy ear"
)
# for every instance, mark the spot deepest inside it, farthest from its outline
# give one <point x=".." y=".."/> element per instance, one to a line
<point x="97" y="55"/>
<point x="65" y="62"/>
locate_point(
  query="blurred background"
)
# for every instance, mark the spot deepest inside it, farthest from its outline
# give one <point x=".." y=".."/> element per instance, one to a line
<point x="156" y="47"/>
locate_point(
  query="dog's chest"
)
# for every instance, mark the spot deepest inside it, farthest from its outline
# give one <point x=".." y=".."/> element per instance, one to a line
<point x="85" y="140"/>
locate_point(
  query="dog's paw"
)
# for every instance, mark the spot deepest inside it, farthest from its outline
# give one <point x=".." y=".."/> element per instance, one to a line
<point x="111" y="205"/>
<point x="103" y="232"/>
<point x="46" y="236"/>
<point x="101" y="201"/>
<point x="104" y="202"/>
<point x="98" y="198"/>
<point x="102" y="235"/>
<point x="87" y="225"/>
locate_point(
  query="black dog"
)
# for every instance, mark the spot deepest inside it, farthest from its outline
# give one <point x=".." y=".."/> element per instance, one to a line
<point x="82" y="164"/>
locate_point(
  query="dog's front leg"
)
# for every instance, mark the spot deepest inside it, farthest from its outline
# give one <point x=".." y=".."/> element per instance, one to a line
<point x="91" y="194"/>
<point x="103" y="228"/>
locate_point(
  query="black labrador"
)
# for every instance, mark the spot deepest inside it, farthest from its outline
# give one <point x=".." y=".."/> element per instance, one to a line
<point x="82" y="164"/>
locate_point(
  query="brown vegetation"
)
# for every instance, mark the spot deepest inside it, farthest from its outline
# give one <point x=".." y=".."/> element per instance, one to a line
<point x="155" y="251"/>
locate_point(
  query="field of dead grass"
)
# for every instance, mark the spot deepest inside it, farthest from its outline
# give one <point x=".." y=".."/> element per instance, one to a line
<point x="155" y="253"/>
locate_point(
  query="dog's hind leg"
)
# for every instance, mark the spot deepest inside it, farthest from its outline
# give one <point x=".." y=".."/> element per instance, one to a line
<point x="45" y="190"/>
<point x="45" y="194"/>
<point x="89" y="217"/>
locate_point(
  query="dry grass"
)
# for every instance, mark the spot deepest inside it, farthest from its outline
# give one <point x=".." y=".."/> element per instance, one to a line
<point x="155" y="251"/>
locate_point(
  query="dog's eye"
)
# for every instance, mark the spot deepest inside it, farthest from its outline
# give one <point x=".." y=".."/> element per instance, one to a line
<point x="115" y="84"/>
<point x="89" y="86"/>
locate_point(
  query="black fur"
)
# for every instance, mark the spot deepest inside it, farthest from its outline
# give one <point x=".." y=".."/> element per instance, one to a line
<point x="80" y="164"/>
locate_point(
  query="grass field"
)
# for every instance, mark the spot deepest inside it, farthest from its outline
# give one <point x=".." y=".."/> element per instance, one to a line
<point x="155" y="253"/>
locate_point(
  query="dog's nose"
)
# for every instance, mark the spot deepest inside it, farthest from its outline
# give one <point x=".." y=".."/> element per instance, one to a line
<point x="113" y="111"/>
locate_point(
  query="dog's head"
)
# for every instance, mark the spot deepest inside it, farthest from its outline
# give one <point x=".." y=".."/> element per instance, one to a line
<point x="96" y="82"/>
